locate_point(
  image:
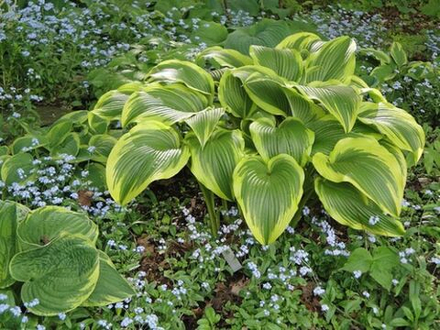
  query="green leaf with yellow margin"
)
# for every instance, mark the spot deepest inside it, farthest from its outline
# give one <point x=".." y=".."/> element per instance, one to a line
<point x="150" y="151"/>
<point x="367" y="165"/>
<point x="268" y="194"/>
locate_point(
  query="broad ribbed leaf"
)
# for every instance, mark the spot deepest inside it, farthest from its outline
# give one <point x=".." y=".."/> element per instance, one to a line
<point x="47" y="223"/>
<point x="328" y="131"/>
<point x="168" y="104"/>
<point x="233" y="96"/>
<point x="290" y="137"/>
<point x="267" y="92"/>
<point x="341" y="101"/>
<point x="286" y="63"/>
<point x="27" y="142"/>
<point x="17" y="168"/>
<point x="265" y="33"/>
<point x="101" y="145"/>
<point x="224" y="57"/>
<point x="301" y="107"/>
<point x="61" y="275"/>
<point x="10" y="215"/>
<point x="149" y="152"/>
<point x="210" y="33"/>
<point x="299" y="41"/>
<point x="334" y="60"/>
<point x="350" y="207"/>
<point x="397" y="125"/>
<point x="58" y="132"/>
<point x="398" y="54"/>
<point x="110" y="105"/>
<point x="111" y="286"/>
<point x="379" y="55"/>
<point x="268" y="194"/>
<point x="214" y="164"/>
<point x="69" y="146"/>
<point x="204" y="123"/>
<point x="367" y="165"/>
<point x="174" y="71"/>
<point x="97" y="124"/>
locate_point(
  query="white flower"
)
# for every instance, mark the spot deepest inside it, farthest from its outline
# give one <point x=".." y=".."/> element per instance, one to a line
<point x="324" y="307"/>
<point x="357" y="273"/>
<point x="318" y="291"/>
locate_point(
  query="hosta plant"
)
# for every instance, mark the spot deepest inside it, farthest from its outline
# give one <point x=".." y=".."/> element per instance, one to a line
<point x="270" y="131"/>
<point x="52" y="251"/>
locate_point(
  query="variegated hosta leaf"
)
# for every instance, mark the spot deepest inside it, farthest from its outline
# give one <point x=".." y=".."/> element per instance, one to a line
<point x="110" y="105"/>
<point x="397" y="125"/>
<point x="168" y="104"/>
<point x="290" y="137"/>
<point x="224" y="57"/>
<point x="204" y="123"/>
<point x="379" y="55"/>
<point x="61" y="275"/>
<point x="17" y="168"/>
<point x="334" y="60"/>
<point x="301" y="107"/>
<point x="111" y="286"/>
<point x="193" y="76"/>
<point x="267" y="92"/>
<point x="97" y="123"/>
<point x="328" y="131"/>
<point x="213" y="164"/>
<point x="268" y="194"/>
<point x="47" y="223"/>
<point x="286" y="63"/>
<point x="149" y="152"/>
<point x="398" y="54"/>
<point x="101" y="145"/>
<point x="10" y="216"/>
<point x="299" y="41"/>
<point x="350" y="207"/>
<point x="233" y="96"/>
<point x="367" y="165"/>
<point x="342" y="102"/>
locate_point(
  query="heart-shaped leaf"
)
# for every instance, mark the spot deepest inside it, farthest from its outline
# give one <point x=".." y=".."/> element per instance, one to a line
<point x="268" y="194"/>
<point x="47" y="223"/>
<point x="213" y="164"/>
<point x="149" y="152"/>
<point x="60" y="275"/>
<point x="367" y="165"/>
<point x="290" y="137"/>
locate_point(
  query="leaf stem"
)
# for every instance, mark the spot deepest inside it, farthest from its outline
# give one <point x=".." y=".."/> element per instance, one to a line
<point x="214" y="220"/>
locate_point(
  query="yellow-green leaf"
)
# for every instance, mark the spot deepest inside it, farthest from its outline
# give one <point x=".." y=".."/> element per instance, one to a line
<point x="213" y="164"/>
<point x="350" y="207"/>
<point x="367" y="165"/>
<point x="290" y="137"/>
<point x="268" y="194"/>
<point x="149" y="152"/>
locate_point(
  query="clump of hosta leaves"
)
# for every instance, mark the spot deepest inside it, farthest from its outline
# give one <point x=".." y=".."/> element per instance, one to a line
<point x="270" y="131"/>
<point x="52" y="252"/>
